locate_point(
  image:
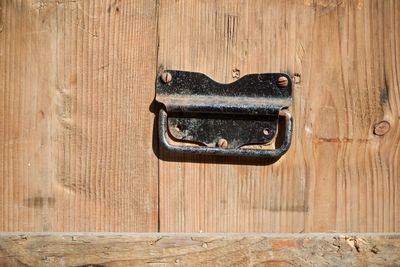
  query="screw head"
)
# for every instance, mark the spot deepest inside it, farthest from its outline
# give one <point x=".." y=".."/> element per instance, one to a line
<point x="222" y="143"/>
<point x="381" y="128"/>
<point x="282" y="82"/>
<point x="166" y="77"/>
<point x="266" y="131"/>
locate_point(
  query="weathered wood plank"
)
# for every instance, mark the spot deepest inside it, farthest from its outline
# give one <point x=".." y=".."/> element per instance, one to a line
<point x="198" y="250"/>
<point x="75" y="127"/>
<point x="341" y="172"/>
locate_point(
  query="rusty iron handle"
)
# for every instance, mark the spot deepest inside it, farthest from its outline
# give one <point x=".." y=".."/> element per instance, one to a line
<point x="263" y="153"/>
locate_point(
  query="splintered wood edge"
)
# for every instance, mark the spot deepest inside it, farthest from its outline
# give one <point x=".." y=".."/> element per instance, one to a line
<point x="127" y="249"/>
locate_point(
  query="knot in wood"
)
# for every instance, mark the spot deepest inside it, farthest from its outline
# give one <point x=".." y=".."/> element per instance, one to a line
<point x="381" y="128"/>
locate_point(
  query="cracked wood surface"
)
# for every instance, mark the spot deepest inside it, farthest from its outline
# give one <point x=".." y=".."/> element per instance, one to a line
<point x="75" y="127"/>
<point x="199" y="249"/>
<point x="342" y="170"/>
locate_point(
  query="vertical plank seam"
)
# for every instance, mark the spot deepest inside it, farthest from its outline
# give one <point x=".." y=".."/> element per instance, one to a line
<point x="157" y="18"/>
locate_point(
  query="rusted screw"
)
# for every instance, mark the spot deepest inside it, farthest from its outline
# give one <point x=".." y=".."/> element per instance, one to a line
<point x="381" y="128"/>
<point x="266" y="131"/>
<point x="282" y="82"/>
<point x="222" y="143"/>
<point x="166" y="77"/>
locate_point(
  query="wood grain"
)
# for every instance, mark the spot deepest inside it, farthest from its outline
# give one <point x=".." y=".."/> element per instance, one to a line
<point x="338" y="175"/>
<point x="75" y="127"/>
<point x="198" y="250"/>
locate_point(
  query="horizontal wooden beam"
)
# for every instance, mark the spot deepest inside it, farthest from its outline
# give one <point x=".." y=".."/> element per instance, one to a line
<point x="124" y="249"/>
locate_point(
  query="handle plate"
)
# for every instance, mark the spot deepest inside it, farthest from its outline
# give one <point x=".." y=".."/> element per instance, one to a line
<point x="223" y="117"/>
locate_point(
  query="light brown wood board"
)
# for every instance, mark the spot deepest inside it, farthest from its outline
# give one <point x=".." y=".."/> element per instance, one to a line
<point x="76" y="127"/>
<point x="76" y="82"/>
<point x="342" y="170"/>
<point x="199" y="250"/>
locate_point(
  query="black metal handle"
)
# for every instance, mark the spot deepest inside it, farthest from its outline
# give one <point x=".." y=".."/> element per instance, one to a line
<point x="265" y="153"/>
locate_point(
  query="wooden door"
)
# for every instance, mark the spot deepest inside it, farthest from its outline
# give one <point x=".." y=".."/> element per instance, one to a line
<point x="338" y="175"/>
<point x="77" y="131"/>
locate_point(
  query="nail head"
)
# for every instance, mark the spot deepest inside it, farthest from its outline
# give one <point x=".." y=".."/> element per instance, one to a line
<point x="166" y="77"/>
<point x="282" y="82"/>
<point x="222" y="143"/>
